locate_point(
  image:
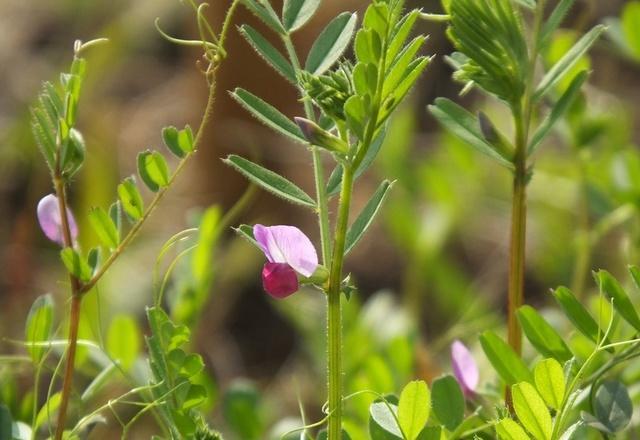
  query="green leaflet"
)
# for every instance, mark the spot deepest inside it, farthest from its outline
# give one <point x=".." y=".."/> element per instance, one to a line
<point x="331" y="43"/>
<point x="270" y="181"/>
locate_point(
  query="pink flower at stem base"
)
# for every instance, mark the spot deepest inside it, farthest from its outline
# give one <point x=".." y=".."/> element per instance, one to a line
<point x="289" y="252"/>
<point x="48" y="212"/>
<point x="465" y="368"/>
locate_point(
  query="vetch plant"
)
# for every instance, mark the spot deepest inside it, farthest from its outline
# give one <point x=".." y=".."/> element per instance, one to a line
<point x="54" y="126"/>
<point x="495" y="56"/>
<point x="346" y="105"/>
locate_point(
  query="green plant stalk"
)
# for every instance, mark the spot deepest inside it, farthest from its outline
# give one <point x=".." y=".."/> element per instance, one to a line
<point x="522" y="112"/>
<point x="318" y="171"/>
<point x="74" y="314"/>
<point x="583" y="246"/>
<point x="515" y="297"/>
<point x="334" y="312"/>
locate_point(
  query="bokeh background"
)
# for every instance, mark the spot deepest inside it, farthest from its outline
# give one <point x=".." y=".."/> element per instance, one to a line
<point x="433" y="266"/>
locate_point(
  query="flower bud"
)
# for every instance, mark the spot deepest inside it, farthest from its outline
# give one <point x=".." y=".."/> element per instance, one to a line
<point x="321" y="138"/>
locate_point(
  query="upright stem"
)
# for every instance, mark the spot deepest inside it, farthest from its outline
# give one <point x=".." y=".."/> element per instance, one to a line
<point x="522" y="112"/>
<point x="517" y="255"/>
<point x="318" y="171"/>
<point x="334" y="313"/>
<point x="74" y="315"/>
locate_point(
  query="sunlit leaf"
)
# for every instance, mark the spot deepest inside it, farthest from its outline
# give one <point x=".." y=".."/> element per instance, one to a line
<point x="331" y="43"/>
<point x="413" y="408"/>
<point x="39" y="325"/>
<point x="532" y="411"/>
<point x="270" y="181"/>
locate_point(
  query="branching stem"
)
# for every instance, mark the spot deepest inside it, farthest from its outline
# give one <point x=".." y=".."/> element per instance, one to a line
<point x="78" y="289"/>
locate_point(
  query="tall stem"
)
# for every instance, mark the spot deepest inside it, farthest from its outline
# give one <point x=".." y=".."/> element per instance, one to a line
<point x="74" y="315"/>
<point x="517" y="255"/>
<point x="334" y="312"/>
<point x="522" y="112"/>
<point x="318" y="171"/>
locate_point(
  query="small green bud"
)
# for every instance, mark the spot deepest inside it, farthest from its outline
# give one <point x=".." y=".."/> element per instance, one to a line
<point x="321" y="138"/>
<point x="319" y="277"/>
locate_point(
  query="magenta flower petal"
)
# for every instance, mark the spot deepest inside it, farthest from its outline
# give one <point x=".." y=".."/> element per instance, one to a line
<point x="279" y="280"/>
<point x="465" y="368"/>
<point x="287" y="244"/>
<point x="48" y="213"/>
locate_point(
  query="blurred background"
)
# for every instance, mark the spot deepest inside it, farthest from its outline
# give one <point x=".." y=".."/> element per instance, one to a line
<point x="431" y="269"/>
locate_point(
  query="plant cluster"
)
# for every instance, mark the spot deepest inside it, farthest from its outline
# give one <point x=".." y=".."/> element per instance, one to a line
<point x="357" y="73"/>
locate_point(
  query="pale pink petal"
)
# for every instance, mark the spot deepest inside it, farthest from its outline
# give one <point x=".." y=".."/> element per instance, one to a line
<point x="287" y="244"/>
<point x="279" y="280"/>
<point x="465" y="368"/>
<point x="48" y="213"/>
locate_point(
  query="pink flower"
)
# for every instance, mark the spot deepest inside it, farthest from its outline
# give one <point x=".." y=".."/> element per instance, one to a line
<point x="289" y="252"/>
<point x="49" y="218"/>
<point x="465" y="368"/>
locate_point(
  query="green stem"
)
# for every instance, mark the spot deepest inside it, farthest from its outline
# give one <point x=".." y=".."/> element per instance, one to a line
<point x="74" y="315"/>
<point x="318" y="171"/>
<point x="518" y="240"/>
<point x="334" y="312"/>
<point x="522" y="112"/>
<point x="583" y="237"/>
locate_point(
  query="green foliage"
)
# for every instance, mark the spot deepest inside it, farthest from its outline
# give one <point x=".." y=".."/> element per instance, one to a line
<point x="507" y="429"/>
<point x="268" y="115"/>
<point x="613" y="407"/>
<point x="490" y="35"/>
<point x="296" y="13"/>
<point x="577" y="314"/>
<point x="174" y="372"/>
<point x="153" y="170"/>
<point x="270" y="181"/>
<point x="130" y="198"/>
<point x="104" y="227"/>
<point x="462" y="123"/>
<point x="241" y="408"/>
<point x="564" y="65"/>
<point x="629" y="24"/>
<point x="76" y="264"/>
<point x="269" y="53"/>
<point x="53" y="120"/>
<point x="414" y="408"/>
<point x="621" y="302"/>
<point x="123" y="340"/>
<point x="383" y="423"/>
<point x="532" y="411"/>
<point x="448" y="401"/>
<point x="331" y="43"/>
<point x="194" y="291"/>
<point x="366" y="217"/>
<point x="505" y="361"/>
<point x="39" y="326"/>
<point x="542" y="335"/>
<point x="550" y="383"/>
<point x="179" y="142"/>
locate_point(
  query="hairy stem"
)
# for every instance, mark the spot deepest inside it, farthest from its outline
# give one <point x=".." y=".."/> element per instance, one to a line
<point x="318" y="171"/>
<point x="334" y="312"/>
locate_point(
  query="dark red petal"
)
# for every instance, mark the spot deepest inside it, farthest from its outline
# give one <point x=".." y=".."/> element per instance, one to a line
<point x="279" y="280"/>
